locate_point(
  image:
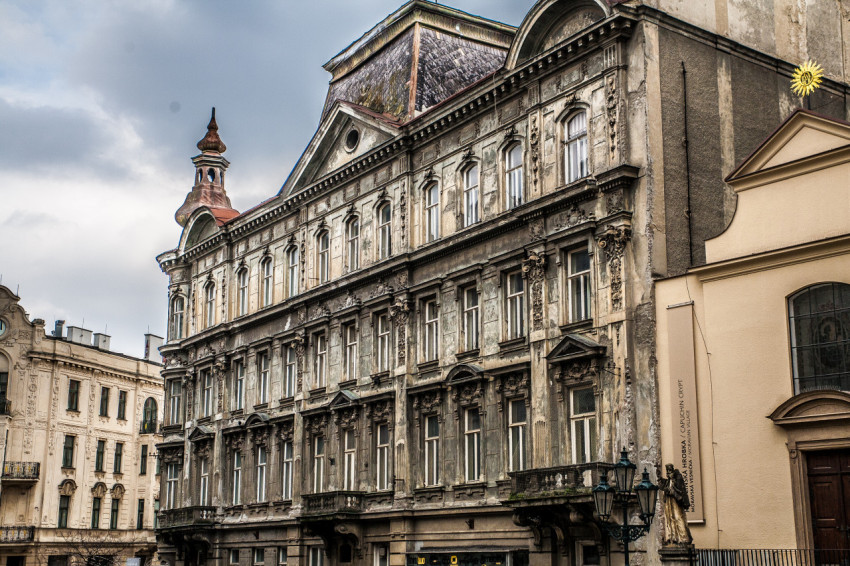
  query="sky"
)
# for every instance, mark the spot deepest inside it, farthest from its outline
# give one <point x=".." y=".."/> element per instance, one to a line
<point x="101" y="105"/>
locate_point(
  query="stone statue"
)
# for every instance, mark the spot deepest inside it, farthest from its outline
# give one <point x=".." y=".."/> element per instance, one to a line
<point x="676" y="502"/>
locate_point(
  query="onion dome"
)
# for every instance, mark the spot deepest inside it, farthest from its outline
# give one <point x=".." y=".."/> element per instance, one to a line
<point x="211" y="141"/>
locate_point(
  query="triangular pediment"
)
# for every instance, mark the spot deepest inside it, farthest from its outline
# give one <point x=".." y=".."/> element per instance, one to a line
<point x="804" y="134"/>
<point x="201" y="432"/>
<point x="346" y="134"/>
<point x="574" y="347"/>
<point x="343" y="398"/>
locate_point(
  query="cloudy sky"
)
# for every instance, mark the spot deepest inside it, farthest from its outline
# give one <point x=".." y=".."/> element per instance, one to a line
<point x="101" y="104"/>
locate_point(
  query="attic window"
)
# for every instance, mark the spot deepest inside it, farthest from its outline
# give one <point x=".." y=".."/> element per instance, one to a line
<point x="352" y="139"/>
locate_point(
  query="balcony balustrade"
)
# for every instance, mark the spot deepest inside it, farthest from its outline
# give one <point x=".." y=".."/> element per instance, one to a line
<point x="16" y="534"/>
<point x="561" y="481"/>
<point x="771" y="557"/>
<point x="20" y="472"/>
<point x="333" y="502"/>
<point x="186" y="517"/>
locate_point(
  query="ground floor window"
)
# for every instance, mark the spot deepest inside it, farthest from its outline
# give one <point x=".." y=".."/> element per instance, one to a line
<point x="316" y="556"/>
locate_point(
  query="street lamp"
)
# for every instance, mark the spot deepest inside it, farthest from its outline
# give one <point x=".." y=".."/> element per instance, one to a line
<point x="604" y="496"/>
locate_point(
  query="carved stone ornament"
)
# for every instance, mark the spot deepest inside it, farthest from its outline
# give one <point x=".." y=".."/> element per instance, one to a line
<point x="612" y="110"/>
<point x="510" y="134"/>
<point x="572" y="217"/>
<point x="513" y="385"/>
<point x="347" y="418"/>
<point x="171" y="456"/>
<point x="613" y="241"/>
<point x="235" y="442"/>
<point x="99" y="489"/>
<point x="318" y="425"/>
<point x="382" y="288"/>
<point x="380" y="411"/>
<point x="399" y="313"/>
<point x="350" y="300"/>
<point x="534" y="266"/>
<point x="67" y="487"/>
<point x="117" y="491"/>
<point x="286" y="430"/>
<point x="202" y="449"/>
<point x="428" y="402"/>
<point x="534" y="144"/>
<point x="260" y="436"/>
<point x="465" y="395"/>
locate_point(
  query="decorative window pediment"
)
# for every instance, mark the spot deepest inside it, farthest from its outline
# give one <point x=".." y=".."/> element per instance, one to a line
<point x="813" y="407"/>
<point x="99" y="489"/>
<point x="201" y="433"/>
<point x="117" y="491"/>
<point x="344" y="398"/>
<point x="67" y="487"/>
<point x="574" y="347"/>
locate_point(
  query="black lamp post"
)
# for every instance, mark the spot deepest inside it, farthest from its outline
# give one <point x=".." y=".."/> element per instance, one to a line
<point x="604" y="496"/>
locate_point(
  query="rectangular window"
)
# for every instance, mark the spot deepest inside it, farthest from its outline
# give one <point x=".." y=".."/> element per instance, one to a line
<point x="292" y="272"/>
<point x="268" y="282"/>
<point x="113" y="514"/>
<point x="317" y="556"/>
<point x="262" y="457"/>
<point x="209" y="305"/>
<point x="516" y="435"/>
<point x="349" y="461"/>
<point x="237" y="478"/>
<point x="64" y="506"/>
<point x="95" y="512"/>
<point x="68" y="451"/>
<point x="432" y="331"/>
<point x="98" y="455"/>
<point x="122" y="404"/>
<point x="513" y="176"/>
<point x="119" y="456"/>
<point x="318" y="464"/>
<point x="282" y="557"/>
<point x="432" y="450"/>
<point x="515" y="306"/>
<point x="583" y="425"/>
<point x="432" y="212"/>
<point x="290" y="372"/>
<point x="242" y="292"/>
<point x="578" y="283"/>
<point x="385" y="231"/>
<point x="171" y="480"/>
<point x="382" y="453"/>
<point x="383" y="340"/>
<point x="207" y="393"/>
<point x="353" y="237"/>
<point x="263" y="385"/>
<point x="104" y="401"/>
<point x="349" y="334"/>
<point x="470" y="318"/>
<point x="470" y="196"/>
<point x="576" y="147"/>
<point x="472" y="444"/>
<point x="320" y="355"/>
<point x="140" y="515"/>
<point x="382" y="555"/>
<point x="143" y="462"/>
<point x="259" y="556"/>
<point x="204" y="498"/>
<point x="174" y="397"/>
<point x="286" y="469"/>
<point x="239" y="385"/>
<point x="234" y="556"/>
<point x="324" y="258"/>
<point x="73" y="395"/>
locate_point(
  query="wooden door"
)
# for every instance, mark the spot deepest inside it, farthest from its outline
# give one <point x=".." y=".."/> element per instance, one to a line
<point x="829" y="493"/>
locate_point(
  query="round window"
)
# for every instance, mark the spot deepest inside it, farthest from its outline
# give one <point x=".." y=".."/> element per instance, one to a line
<point x="352" y="139"/>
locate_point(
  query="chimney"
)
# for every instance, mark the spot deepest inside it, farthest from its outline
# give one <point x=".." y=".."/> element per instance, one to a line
<point x="101" y="341"/>
<point x="79" y="335"/>
<point x="152" y="344"/>
<point x="58" y="327"/>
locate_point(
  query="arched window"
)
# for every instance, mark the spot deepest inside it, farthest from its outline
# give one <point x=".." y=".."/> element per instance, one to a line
<point x="352" y="235"/>
<point x="470" y="196"/>
<point x="575" y="136"/>
<point x="513" y="176"/>
<point x="323" y="256"/>
<point x="209" y="304"/>
<point x="178" y="307"/>
<point x="267" y="269"/>
<point x="292" y="272"/>
<point x="242" y="291"/>
<point x="385" y="229"/>
<point x="149" y="416"/>
<point x="820" y="337"/>
<point x="432" y="212"/>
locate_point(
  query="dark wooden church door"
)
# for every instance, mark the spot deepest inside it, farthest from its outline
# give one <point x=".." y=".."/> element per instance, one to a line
<point x="829" y="492"/>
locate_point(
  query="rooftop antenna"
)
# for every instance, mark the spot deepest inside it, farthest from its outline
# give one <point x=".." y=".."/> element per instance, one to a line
<point x="18" y="290"/>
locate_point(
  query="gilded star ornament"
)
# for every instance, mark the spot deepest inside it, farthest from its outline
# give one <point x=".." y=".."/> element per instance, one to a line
<point x="806" y="78"/>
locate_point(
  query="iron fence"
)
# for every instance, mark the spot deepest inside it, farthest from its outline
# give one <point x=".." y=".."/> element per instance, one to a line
<point x="21" y="470"/>
<point x="772" y="557"/>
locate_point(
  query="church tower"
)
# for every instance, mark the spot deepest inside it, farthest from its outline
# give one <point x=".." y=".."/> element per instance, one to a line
<point x="210" y="166"/>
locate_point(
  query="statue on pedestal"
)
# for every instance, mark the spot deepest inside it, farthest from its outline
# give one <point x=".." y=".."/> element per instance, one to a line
<point x="676" y="502"/>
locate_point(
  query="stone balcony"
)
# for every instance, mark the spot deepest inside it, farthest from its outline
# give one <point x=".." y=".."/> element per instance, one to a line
<point x="331" y="503"/>
<point x="16" y="534"/>
<point x="187" y="517"/>
<point x="540" y="485"/>
<point x="20" y="472"/>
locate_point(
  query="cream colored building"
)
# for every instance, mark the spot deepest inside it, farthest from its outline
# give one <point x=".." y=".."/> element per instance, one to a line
<point x="754" y="352"/>
<point x="78" y="428"/>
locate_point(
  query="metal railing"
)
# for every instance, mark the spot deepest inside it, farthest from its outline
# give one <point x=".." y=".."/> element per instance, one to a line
<point x="333" y="502"/>
<point x="21" y="470"/>
<point x="558" y="481"/>
<point x="149" y="427"/>
<point x="186" y="516"/>
<point x="772" y="557"/>
<point x="17" y="534"/>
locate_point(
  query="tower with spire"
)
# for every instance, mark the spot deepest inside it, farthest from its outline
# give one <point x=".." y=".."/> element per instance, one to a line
<point x="210" y="166"/>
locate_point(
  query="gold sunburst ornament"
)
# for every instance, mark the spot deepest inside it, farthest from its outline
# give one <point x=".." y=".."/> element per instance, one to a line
<point x="806" y="78"/>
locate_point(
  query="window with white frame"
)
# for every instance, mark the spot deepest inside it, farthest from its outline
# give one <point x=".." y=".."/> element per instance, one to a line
<point x="286" y="469"/>
<point x="209" y="304"/>
<point x="262" y="461"/>
<point x="349" y="336"/>
<point x="317" y="556"/>
<point x="292" y="268"/>
<point x="172" y="476"/>
<point x="352" y="236"/>
<point x="237" y="477"/>
<point x="432" y="212"/>
<point x="471" y="317"/>
<point x="282" y="557"/>
<point x="258" y="557"/>
<point x="578" y="284"/>
<point x="323" y="256"/>
<point x="204" y="495"/>
<point x="238" y="385"/>
<point x="514" y="195"/>
<point x="178" y="308"/>
<point x="432" y="450"/>
<point x="267" y="291"/>
<point x="234" y="556"/>
<point x="290" y="371"/>
<point x="263" y="377"/>
<point x="472" y="444"/>
<point x="382" y="456"/>
<point x="515" y="305"/>
<point x="320" y="354"/>
<point x="431" y="349"/>
<point x="175" y="395"/>
<point x="470" y="196"/>
<point x="516" y="434"/>
<point x="242" y="292"/>
<point x="207" y="393"/>
<point x="383" y="342"/>
<point x="318" y="464"/>
<point x="583" y="424"/>
<point x="385" y="230"/>
<point x="575" y="137"/>
<point x="382" y="555"/>
<point x="349" y="466"/>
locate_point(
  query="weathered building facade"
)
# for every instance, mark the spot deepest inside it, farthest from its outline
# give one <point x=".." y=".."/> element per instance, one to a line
<point x="78" y="431"/>
<point x="424" y="349"/>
